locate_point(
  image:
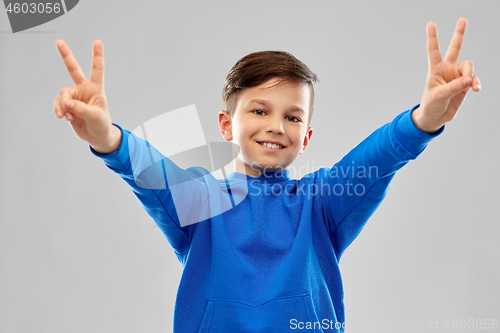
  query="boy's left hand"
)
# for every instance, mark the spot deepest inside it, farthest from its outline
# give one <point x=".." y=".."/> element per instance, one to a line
<point x="447" y="81"/>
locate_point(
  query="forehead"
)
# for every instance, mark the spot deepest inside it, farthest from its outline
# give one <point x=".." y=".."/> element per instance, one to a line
<point x="288" y="95"/>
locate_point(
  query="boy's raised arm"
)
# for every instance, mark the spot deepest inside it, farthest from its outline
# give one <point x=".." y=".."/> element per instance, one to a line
<point x="85" y="105"/>
<point x="368" y="169"/>
<point x="173" y="197"/>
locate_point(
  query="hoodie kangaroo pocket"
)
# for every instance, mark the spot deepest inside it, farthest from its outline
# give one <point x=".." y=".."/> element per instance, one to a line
<point x="277" y="315"/>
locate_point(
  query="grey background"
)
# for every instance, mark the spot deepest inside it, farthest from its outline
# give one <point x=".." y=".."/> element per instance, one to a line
<point x="78" y="254"/>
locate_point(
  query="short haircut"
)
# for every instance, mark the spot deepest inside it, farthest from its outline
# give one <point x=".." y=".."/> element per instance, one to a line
<point x="259" y="67"/>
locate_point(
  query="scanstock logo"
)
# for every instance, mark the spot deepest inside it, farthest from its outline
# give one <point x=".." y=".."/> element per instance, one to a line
<point x="170" y="153"/>
<point x="28" y="14"/>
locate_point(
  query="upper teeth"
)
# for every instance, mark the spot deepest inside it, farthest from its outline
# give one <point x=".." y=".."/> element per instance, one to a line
<point x="271" y="145"/>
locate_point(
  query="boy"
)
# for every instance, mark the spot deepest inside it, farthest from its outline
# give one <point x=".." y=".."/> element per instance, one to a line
<point x="260" y="251"/>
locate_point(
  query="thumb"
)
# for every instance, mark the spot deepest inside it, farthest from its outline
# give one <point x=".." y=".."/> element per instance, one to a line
<point x="454" y="87"/>
<point x="79" y="108"/>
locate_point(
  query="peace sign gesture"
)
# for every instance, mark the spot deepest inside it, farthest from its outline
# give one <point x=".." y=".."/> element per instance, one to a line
<point x="447" y="81"/>
<point x="85" y="105"/>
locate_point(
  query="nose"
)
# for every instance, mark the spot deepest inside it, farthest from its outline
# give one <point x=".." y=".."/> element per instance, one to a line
<point x="274" y="125"/>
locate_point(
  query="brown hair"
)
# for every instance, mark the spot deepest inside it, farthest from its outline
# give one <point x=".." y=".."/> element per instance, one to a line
<point x="259" y="67"/>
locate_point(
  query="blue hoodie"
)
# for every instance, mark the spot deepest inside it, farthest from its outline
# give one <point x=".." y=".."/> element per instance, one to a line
<point x="261" y="254"/>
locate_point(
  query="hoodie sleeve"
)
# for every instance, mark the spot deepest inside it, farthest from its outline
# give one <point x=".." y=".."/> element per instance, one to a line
<point x="171" y="196"/>
<point x="359" y="182"/>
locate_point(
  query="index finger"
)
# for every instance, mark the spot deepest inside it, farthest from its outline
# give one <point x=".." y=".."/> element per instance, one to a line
<point x="433" y="45"/>
<point x="71" y="64"/>
<point x="456" y="41"/>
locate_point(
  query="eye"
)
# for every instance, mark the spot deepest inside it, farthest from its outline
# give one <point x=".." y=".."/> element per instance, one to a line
<point x="258" y="112"/>
<point x="294" y="119"/>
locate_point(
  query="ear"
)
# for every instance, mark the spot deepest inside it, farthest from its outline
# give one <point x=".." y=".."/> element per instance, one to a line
<point x="225" y="125"/>
<point x="307" y="138"/>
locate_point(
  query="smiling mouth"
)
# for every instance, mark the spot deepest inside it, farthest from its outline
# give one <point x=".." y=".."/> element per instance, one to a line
<point x="271" y="146"/>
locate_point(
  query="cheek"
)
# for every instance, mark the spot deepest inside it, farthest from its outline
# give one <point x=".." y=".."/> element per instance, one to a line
<point x="246" y="132"/>
<point x="297" y="139"/>
<point x="297" y="149"/>
<point x="241" y="138"/>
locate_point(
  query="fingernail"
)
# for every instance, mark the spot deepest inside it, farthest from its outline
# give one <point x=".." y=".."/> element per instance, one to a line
<point x="70" y="105"/>
<point x="467" y="81"/>
<point x="59" y="114"/>
<point x="67" y="115"/>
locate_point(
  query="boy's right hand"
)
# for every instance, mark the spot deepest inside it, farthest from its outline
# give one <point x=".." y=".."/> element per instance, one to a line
<point x="85" y="105"/>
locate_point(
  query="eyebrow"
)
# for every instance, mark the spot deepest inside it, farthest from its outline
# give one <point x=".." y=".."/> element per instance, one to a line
<point x="293" y="108"/>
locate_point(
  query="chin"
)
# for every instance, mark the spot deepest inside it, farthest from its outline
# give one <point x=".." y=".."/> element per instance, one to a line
<point x="270" y="168"/>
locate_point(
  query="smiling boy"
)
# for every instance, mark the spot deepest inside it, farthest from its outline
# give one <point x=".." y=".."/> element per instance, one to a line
<point x="274" y="107"/>
<point x="269" y="262"/>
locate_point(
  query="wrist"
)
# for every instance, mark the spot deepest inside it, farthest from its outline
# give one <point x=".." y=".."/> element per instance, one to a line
<point x="111" y="143"/>
<point x="423" y="124"/>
